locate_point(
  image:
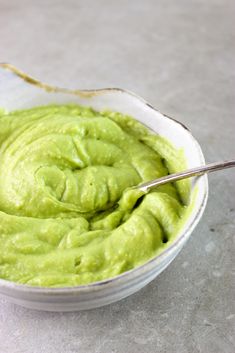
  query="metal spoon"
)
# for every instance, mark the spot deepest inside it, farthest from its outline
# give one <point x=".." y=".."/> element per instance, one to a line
<point x="212" y="167"/>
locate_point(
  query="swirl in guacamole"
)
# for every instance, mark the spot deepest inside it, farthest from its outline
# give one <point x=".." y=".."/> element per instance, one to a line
<point x="67" y="213"/>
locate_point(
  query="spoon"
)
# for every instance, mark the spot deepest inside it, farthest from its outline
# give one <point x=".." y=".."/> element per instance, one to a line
<point x="212" y="167"/>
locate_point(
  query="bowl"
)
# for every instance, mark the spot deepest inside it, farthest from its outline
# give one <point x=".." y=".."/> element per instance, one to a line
<point x="20" y="91"/>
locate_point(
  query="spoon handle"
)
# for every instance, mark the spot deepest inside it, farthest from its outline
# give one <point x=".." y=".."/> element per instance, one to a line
<point x="212" y="167"/>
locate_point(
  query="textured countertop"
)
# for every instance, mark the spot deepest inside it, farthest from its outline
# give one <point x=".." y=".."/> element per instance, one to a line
<point x="178" y="55"/>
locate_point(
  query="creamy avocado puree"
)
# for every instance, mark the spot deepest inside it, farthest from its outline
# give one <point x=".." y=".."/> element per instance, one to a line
<point x="67" y="216"/>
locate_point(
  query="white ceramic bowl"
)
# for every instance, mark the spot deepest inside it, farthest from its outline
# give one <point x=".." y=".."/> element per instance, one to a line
<point x="18" y="91"/>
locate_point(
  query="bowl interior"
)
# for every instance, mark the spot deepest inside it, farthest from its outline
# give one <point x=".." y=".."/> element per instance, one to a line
<point x="18" y="91"/>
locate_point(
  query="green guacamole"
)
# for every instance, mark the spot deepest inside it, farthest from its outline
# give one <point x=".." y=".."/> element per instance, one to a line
<point x="67" y="213"/>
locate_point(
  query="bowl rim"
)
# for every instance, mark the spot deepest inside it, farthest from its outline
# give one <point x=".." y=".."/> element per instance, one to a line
<point x="143" y="268"/>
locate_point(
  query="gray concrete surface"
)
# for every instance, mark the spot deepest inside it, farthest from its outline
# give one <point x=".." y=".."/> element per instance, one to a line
<point x="180" y="56"/>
